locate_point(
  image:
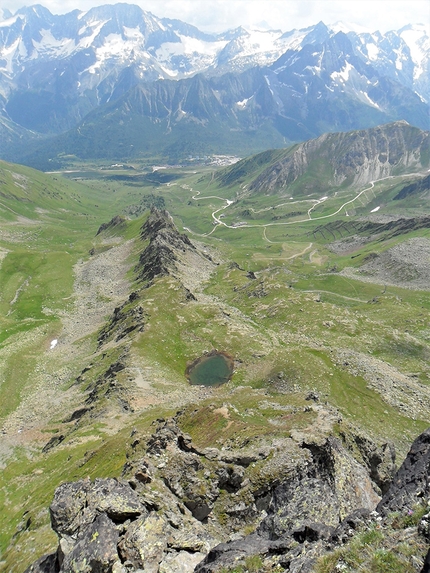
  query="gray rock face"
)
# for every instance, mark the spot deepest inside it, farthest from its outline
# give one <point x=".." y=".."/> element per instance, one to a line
<point x="76" y="505"/>
<point x="46" y="564"/>
<point x="68" y="506"/>
<point x="411" y="483"/>
<point x="87" y="517"/>
<point x="95" y="549"/>
<point x="380" y="460"/>
<point x="116" y="499"/>
<point x="183" y="501"/>
<point x="333" y="486"/>
<point x="144" y="543"/>
<point x="304" y="511"/>
<point x="115" y="526"/>
<point x="426" y="567"/>
<point x="298" y="547"/>
<point x="357" y="157"/>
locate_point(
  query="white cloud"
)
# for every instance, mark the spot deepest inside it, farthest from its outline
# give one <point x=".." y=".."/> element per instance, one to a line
<point x="220" y="15"/>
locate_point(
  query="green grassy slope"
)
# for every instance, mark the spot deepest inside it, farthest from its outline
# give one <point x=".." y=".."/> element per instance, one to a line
<point x="275" y="299"/>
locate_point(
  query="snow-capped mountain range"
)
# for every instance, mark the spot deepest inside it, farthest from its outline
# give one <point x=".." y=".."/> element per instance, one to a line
<point x="55" y="69"/>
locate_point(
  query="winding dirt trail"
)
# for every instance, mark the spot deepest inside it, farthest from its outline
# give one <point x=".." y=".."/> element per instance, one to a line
<point x="218" y="222"/>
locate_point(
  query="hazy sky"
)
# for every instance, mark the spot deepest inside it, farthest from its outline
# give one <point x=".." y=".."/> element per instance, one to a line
<point x="220" y="15"/>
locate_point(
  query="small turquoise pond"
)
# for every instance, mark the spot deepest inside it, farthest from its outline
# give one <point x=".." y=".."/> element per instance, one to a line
<point x="211" y="369"/>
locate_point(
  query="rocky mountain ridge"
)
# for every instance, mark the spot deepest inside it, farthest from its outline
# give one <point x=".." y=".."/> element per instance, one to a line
<point x="352" y="159"/>
<point x="34" y="35"/>
<point x="286" y="501"/>
<point x="159" y="257"/>
<point x="166" y="253"/>
<point x="164" y="517"/>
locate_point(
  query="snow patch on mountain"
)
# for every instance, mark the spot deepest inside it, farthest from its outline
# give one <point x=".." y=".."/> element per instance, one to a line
<point x="263" y="42"/>
<point x="294" y="39"/>
<point x="89" y="39"/>
<point x="368" y="100"/>
<point x="372" y="52"/>
<point x="343" y="74"/>
<point x="10" y="55"/>
<point x="189" y="46"/>
<point x="7" y="21"/>
<point x="242" y="104"/>
<point x="59" y="48"/>
<point x="418" y="42"/>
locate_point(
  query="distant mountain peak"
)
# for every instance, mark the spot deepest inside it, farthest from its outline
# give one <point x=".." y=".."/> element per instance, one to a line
<point x="350" y="27"/>
<point x="420" y="27"/>
<point x="54" y="70"/>
<point x="5" y="14"/>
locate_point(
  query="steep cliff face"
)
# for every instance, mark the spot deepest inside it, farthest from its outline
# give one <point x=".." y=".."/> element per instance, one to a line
<point x="355" y="158"/>
<point x="411" y="482"/>
<point x="165" y="243"/>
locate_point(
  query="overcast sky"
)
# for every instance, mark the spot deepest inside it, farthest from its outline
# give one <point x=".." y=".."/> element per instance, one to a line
<point x="221" y="15"/>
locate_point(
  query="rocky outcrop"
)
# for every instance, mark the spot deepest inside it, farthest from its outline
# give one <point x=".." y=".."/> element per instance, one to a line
<point x="116" y="223"/>
<point x="411" y="483"/>
<point x="165" y="245"/>
<point x="185" y="509"/>
<point x="180" y="500"/>
<point x="296" y="547"/>
<point x="304" y="512"/>
<point x="151" y="522"/>
<point x="106" y="526"/>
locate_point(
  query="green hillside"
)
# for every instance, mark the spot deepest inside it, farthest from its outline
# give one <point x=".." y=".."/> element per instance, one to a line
<point x="324" y="298"/>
